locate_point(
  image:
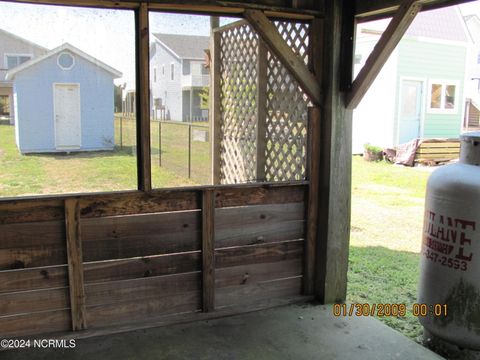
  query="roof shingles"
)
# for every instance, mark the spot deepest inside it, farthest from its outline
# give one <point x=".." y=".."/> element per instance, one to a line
<point x="185" y="46"/>
<point x="444" y="23"/>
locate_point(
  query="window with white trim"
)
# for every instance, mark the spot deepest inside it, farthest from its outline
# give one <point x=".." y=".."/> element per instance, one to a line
<point x="172" y="71"/>
<point x="154" y="74"/>
<point x="15" y="60"/>
<point x="442" y="96"/>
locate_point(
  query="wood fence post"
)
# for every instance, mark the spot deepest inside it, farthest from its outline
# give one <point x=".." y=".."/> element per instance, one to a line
<point x="190" y="151"/>
<point x="160" y="142"/>
<point x="75" y="264"/>
<point x="261" y="135"/>
<point x="208" y="250"/>
<point x="215" y="116"/>
<point x="144" y="167"/>
<point x="313" y="175"/>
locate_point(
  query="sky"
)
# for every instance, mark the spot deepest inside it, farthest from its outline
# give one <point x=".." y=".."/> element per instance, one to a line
<point x="106" y="34"/>
<point x="470" y="8"/>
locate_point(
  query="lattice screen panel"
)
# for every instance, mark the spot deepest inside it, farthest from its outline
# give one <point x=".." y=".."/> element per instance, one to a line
<point x="284" y="108"/>
<point x="238" y="69"/>
<point x="286" y="111"/>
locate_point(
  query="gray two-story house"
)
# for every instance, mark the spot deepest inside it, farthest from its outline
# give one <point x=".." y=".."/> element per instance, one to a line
<point x="14" y="51"/>
<point x="178" y="75"/>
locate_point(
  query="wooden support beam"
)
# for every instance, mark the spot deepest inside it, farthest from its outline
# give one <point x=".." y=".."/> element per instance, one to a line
<point x="144" y="166"/>
<point x="313" y="173"/>
<point x="315" y="63"/>
<point x="273" y="8"/>
<point x="208" y="250"/>
<point x="382" y="51"/>
<point x="261" y="111"/>
<point x="268" y="33"/>
<point x="347" y="50"/>
<point x="75" y="264"/>
<point x="214" y="89"/>
<point x="334" y="195"/>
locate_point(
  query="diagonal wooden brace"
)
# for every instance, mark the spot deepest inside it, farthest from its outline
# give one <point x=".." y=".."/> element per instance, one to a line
<point x="268" y="33"/>
<point x="382" y="51"/>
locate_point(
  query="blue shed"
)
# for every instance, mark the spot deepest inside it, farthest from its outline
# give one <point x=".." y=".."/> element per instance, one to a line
<point x="64" y="101"/>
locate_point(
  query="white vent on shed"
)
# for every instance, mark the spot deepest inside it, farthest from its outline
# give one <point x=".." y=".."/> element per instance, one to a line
<point x="65" y="61"/>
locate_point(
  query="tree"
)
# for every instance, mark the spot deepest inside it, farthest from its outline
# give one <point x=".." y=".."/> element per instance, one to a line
<point x="117" y="98"/>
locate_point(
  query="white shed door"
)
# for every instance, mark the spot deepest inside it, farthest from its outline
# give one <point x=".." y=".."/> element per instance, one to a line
<point x="67" y="116"/>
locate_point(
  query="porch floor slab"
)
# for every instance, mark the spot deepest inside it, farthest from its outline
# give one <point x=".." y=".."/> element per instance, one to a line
<point x="294" y="332"/>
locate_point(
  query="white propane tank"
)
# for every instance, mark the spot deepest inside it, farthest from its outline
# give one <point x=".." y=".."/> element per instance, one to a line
<point x="450" y="261"/>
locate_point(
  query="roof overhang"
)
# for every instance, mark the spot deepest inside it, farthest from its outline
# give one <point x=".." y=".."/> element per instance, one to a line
<point x="378" y="9"/>
<point x="160" y="42"/>
<point x="11" y="73"/>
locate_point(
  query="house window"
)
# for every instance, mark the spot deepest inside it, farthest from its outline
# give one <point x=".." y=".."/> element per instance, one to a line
<point x="443" y="96"/>
<point x="154" y="74"/>
<point x="172" y="71"/>
<point x="186" y="67"/>
<point x="478" y="58"/>
<point x="163" y="70"/>
<point x="15" y="60"/>
<point x="358" y="59"/>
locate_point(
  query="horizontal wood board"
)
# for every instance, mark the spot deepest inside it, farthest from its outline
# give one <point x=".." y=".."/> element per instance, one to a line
<point x="142" y="255"/>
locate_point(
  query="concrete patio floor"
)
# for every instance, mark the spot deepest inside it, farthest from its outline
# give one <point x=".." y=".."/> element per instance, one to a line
<point x="294" y="332"/>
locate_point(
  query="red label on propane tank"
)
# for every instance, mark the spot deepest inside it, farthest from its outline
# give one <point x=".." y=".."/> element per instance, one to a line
<point x="447" y="240"/>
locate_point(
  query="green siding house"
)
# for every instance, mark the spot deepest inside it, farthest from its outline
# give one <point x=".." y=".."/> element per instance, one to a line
<point x="420" y="92"/>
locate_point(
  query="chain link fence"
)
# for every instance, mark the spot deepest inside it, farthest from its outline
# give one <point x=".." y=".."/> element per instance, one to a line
<point x="182" y="148"/>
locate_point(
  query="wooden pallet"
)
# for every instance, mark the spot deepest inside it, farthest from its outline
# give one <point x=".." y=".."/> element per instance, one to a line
<point x="434" y="151"/>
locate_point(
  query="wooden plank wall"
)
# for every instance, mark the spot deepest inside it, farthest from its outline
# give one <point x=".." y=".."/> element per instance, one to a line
<point x="97" y="261"/>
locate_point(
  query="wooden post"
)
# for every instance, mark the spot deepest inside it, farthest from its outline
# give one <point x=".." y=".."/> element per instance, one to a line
<point x="313" y="175"/>
<point x="261" y="110"/>
<point x="191" y="105"/>
<point x="347" y="50"/>
<point x="190" y="151"/>
<point x="144" y="167"/>
<point x="215" y="119"/>
<point x="121" y="132"/>
<point x="208" y="249"/>
<point x="160" y="142"/>
<point x="75" y="264"/>
<point x="335" y="169"/>
<point x="313" y="157"/>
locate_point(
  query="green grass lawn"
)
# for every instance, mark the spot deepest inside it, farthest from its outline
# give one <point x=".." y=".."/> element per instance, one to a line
<point x="75" y="172"/>
<point x="387" y="217"/>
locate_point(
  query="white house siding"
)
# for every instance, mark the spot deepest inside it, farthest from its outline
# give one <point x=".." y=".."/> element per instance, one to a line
<point x="11" y="44"/>
<point x="170" y="91"/>
<point x="373" y="119"/>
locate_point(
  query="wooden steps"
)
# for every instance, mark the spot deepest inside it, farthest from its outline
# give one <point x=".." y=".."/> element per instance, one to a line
<point x="434" y="151"/>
